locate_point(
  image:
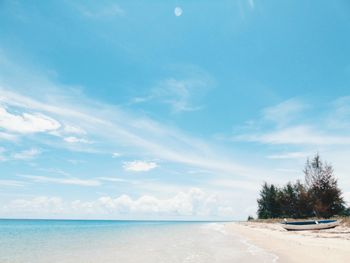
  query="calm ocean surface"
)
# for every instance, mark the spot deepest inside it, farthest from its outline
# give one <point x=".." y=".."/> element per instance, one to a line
<point x="38" y="241"/>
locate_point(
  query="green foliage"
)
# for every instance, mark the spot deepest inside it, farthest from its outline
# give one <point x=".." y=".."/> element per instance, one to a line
<point x="288" y="200"/>
<point x="250" y="218"/>
<point x="346" y="212"/>
<point x="269" y="205"/>
<point x="304" y="204"/>
<point x="320" y="196"/>
<point x="323" y="188"/>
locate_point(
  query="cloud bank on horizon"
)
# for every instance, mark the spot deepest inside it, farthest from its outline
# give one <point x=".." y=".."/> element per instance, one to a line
<point x="101" y="119"/>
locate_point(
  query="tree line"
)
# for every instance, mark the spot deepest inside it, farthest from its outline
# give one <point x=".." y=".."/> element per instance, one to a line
<point x="318" y="196"/>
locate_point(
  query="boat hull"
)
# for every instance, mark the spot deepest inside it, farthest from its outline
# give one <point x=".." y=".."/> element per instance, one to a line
<point x="310" y="225"/>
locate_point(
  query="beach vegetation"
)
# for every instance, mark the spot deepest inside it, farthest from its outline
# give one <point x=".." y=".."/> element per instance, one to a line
<point x="250" y="218"/>
<point x="319" y="196"/>
<point x="269" y="202"/>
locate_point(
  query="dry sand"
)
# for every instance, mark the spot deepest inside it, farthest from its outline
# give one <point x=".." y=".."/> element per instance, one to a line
<point x="332" y="245"/>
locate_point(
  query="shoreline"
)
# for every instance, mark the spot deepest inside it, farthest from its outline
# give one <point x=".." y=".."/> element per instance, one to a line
<point x="331" y="245"/>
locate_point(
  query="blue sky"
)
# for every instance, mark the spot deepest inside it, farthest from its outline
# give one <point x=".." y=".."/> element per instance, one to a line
<point x="124" y="110"/>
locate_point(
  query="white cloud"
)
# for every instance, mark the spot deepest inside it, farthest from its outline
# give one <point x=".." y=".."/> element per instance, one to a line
<point x="72" y="139"/>
<point x="66" y="181"/>
<point x="139" y="166"/>
<point x="193" y="203"/>
<point x="42" y="203"/>
<point x="26" y="155"/>
<point x="116" y="155"/>
<point x="26" y="122"/>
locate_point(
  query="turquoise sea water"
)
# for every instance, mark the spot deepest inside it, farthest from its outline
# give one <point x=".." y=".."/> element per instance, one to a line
<point x="39" y="241"/>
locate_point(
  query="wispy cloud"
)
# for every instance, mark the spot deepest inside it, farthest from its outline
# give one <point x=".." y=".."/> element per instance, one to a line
<point x="30" y="154"/>
<point x="135" y="135"/>
<point x="72" y="139"/>
<point x="284" y="112"/>
<point x="251" y="3"/>
<point x="296" y="135"/>
<point x="245" y="8"/>
<point x="70" y="129"/>
<point x="339" y="117"/>
<point x="54" y="170"/>
<point x="139" y="166"/>
<point x="114" y="179"/>
<point x="251" y="186"/>
<point x="290" y="155"/>
<point x="66" y="181"/>
<point x="290" y="126"/>
<point x="98" y="10"/>
<point x="26" y="155"/>
<point x="181" y="95"/>
<point x="7" y="136"/>
<point x="11" y="183"/>
<point x="119" y="129"/>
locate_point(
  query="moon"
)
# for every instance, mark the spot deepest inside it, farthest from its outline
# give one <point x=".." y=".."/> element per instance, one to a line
<point x="178" y="11"/>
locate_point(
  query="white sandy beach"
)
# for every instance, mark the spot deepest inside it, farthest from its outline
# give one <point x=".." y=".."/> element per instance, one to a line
<point x="331" y="245"/>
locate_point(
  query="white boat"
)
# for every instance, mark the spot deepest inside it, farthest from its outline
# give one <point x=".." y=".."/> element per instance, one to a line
<point x="310" y="225"/>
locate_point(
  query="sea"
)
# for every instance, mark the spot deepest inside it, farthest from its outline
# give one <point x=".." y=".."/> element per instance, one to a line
<point x="101" y="241"/>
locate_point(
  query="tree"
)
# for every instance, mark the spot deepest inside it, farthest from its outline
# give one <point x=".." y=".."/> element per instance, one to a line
<point x="322" y="187"/>
<point x="319" y="196"/>
<point x="346" y="212"/>
<point x="288" y="200"/>
<point x="268" y="203"/>
<point x="304" y="204"/>
<point x="250" y="218"/>
<point x="294" y="201"/>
